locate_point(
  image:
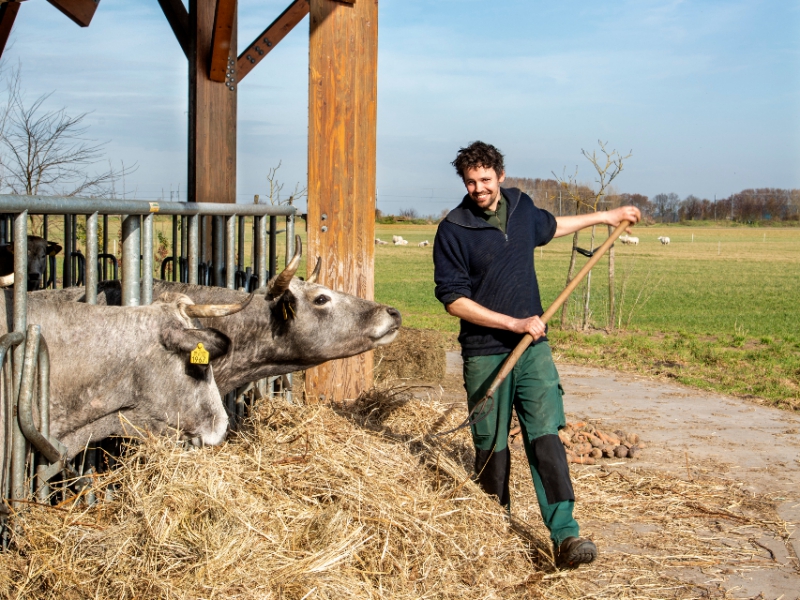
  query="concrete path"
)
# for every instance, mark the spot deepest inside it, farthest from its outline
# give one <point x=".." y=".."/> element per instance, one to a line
<point x="687" y="428"/>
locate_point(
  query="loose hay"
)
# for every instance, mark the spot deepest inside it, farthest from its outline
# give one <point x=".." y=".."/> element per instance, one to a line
<point x="417" y="354"/>
<point x="318" y="502"/>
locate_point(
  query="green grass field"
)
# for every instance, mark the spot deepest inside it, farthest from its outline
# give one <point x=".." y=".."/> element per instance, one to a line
<point x="717" y="308"/>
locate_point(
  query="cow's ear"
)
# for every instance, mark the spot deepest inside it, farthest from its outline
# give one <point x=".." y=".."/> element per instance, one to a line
<point x="178" y="339"/>
<point x="53" y="248"/>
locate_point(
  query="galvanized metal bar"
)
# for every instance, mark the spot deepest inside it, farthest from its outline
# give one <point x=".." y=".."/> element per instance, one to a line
<point x="230" y="406"/>
<point x="240" y="262"/>
<point x="255" y="257"/>
<point x="91" y="259"/>
<point x="147" y="259"/>
<point x="175" y="264"/>
<point x="105" y="247"/>
<point x="73" y="224"/>
<point x="273" y="245"/>
<point x="217" y="252"/>
<point x="203" y="237"/>
<point x="230" y="251"/>
<point x="193" y="247"/>
<point x="184" y="250"/>
<point x="59" y="205"/>
<point x="131" y="245"/>
<point x="14" y="479"/>
<point x="289" y="239"/>
<point x="287" y="380"/>
<point x="46" y="274"/>
<point x="20" y="311"/>
<point x="66" y="274"/>
<point x="43" y="393"/>
<point x="261" y="235"/>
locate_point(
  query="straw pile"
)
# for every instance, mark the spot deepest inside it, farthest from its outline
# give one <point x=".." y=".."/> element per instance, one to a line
<point x="357" y="502"/>
<point x="417" y="354"/>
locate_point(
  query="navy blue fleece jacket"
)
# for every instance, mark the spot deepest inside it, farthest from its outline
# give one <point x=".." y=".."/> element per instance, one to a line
<point x="473" y="259"/>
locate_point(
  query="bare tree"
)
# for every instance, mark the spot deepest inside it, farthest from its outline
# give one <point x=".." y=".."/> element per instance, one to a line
<point x="276" y="187"/>
<point x="47" y="151"/>
<point x="608" y="165"/>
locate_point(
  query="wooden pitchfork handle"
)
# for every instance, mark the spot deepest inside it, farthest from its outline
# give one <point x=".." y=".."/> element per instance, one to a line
<point x="512" y="358"/>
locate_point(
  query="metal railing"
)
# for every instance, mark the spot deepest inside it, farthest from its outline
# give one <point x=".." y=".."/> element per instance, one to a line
<point x="197" y="229"/>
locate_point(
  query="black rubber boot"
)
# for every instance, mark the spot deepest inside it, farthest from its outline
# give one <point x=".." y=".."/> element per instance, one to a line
<point x="575" y="551"/>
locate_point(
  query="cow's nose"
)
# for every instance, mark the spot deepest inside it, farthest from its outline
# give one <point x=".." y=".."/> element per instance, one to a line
<point x="395" y="314"/>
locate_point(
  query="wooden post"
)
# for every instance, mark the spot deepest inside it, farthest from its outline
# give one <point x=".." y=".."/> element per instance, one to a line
<point x="212" y="112"/>
<point x="343" y="58"/>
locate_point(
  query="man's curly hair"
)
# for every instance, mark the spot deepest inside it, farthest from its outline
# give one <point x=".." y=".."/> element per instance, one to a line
<point x="479" y="154"/>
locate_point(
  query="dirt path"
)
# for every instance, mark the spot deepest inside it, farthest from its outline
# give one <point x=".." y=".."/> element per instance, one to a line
<point x="692" y="434"/>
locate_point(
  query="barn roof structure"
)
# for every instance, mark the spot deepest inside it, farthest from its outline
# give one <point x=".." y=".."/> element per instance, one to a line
<point x="342" y="116"/>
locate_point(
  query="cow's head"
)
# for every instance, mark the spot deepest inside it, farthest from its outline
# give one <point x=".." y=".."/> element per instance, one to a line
<point x="316" y="323"/>
<point x="191" y="401"/>
<point x="39" y="252"/>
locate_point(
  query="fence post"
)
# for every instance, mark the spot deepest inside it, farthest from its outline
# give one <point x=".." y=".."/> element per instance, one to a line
<point x="91" y="258"/>
<point x="273" y="245"/>
<point x="193" y="248"/>
<point x="19" y="443"/>
<point x="230" y="251"/>
<point x="147" y="259"/>
<point x="261" y="235"/>
<point x="217" y="251"/>
<point x="131" y="247"/>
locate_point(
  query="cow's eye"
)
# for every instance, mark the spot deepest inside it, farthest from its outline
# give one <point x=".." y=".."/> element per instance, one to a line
<point x="321" y="299"/>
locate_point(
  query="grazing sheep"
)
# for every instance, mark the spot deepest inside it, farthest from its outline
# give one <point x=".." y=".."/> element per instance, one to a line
<point x="423" y="244"/>
<point x="401" y="242"/>
<point x="380" y="242"/>
<point x="629" y="240"/>
<point x="396" y="238"/>
<point x="664" y="240"/>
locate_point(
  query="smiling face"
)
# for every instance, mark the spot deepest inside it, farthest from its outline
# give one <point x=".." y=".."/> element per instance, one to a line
<point x="483" y="186"/>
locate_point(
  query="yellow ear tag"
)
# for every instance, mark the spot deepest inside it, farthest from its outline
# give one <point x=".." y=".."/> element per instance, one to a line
<point x="199" y="355"/>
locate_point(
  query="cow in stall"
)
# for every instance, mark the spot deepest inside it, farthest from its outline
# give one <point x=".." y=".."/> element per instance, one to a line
<point x="123" y="370"/>
<point x="289" y="326"/>
<point x="39" y="251"/>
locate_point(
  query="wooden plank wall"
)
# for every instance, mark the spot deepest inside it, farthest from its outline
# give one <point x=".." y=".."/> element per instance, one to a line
<point x="343" y="58"/>
<point x="212" y="114"/>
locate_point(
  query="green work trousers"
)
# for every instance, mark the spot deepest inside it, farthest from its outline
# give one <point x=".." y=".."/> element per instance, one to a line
<point x="533" y="388"/>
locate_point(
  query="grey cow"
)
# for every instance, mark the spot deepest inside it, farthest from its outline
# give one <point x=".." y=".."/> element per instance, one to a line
<point x="112" y="364"/>
<point x="293" y="325"/>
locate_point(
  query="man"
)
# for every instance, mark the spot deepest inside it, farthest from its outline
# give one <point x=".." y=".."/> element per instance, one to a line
<point x="483" y="258"/>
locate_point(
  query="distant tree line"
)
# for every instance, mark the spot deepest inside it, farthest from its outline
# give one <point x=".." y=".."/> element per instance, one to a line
<point x="762" y="204"/>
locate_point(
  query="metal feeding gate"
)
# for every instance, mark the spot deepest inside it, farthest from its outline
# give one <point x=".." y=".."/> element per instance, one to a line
<point x="208" y="246"/>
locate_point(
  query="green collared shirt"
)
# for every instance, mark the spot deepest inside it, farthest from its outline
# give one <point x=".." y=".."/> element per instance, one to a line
<point x="498" y="217"/>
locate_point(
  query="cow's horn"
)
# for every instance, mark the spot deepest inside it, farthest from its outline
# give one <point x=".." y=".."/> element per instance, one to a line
<point x="7" y="280"/>
<point x="281" y="283"/>
<point x="313" y="277"/>
<point x="215" y="310"/>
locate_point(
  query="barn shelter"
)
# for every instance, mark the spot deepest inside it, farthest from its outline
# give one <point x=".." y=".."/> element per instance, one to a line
<point x="342" y="116"/>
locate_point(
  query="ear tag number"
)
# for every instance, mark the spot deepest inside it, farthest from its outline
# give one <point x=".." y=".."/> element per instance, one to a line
<point x="199" y="355"/>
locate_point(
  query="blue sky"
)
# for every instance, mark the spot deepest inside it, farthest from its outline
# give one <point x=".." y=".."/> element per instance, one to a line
<point x="706" y="94"/>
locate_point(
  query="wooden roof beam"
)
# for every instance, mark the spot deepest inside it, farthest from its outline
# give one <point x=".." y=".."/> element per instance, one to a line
<point x="8" y="12"/>
<point x="178" y="19"/>
<point x="270" y="37"/>
<point x="80" y="11"/>
<point x="221" y="40"/>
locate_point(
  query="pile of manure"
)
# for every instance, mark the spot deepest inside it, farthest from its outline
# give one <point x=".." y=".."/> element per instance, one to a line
<point x="331" y="502"/>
